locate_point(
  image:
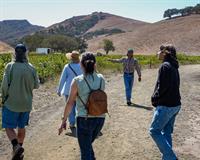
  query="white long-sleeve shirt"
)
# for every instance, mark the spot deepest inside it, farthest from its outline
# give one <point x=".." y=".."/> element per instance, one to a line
<point x="67" y="77"/>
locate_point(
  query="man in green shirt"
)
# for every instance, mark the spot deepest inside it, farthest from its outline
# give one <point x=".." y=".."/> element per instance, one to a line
<point x="19" y="80"/>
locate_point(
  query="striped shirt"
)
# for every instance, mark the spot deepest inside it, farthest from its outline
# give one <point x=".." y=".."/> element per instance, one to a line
<point x="129" y="65"/>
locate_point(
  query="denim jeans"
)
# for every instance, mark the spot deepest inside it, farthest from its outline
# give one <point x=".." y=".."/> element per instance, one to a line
<point x="87" y="130"/>
<point x="72" y="115"/>
<point x="128" y="82"/>
<point x="161" y="129"/>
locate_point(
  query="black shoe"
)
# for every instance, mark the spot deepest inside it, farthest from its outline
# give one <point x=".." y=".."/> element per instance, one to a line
<point x="129" y="103"/>
<point x="17" y="152"/>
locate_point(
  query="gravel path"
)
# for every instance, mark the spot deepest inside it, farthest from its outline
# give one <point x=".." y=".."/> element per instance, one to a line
<point x="125" y="134"/>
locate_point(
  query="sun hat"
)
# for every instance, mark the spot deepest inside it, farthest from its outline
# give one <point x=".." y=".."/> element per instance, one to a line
<point x="73" y="56"/>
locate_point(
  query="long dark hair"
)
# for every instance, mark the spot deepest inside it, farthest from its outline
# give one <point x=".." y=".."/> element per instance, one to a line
<point x="170" y="55"/>
<point x="88" y="61"/>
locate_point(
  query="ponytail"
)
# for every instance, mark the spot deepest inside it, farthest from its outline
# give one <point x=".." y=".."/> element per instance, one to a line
<point x="88" y="62"/>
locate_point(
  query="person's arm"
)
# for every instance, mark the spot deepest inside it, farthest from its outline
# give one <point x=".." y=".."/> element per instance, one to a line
<point x="36" y="80"/>
<point x="4" y="84"/>
<point x="116" y="60"/>
<point x="137" y="67"/>
<point x="163" y="84"/>
<point x="69" y="105"/>
<point x="62" y="81"/>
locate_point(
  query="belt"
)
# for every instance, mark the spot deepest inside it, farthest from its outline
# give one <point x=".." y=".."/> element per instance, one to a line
<point x="128" y="73"/>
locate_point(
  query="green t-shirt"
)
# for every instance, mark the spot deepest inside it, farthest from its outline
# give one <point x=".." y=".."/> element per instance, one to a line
<point x="22" y="78"/>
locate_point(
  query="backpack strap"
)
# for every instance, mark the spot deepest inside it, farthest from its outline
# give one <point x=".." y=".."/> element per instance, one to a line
<point x="78" y="94"/>
<point x="90" y="86"/>
<point x="87" y="84"/>
<point x="73" y="70"/>
<point x="100" y="83"/>
<point x="86" y="108"/>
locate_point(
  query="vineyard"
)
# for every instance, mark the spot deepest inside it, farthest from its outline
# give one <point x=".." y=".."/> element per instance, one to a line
<point x="49" y="66"/>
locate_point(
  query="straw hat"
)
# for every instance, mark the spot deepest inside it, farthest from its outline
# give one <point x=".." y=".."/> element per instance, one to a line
<point x="74" y="56"/>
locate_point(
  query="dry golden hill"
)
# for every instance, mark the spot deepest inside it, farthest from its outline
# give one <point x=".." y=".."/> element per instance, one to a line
<point x="113" y="21"/>
<point x="84" y="24"/>
<point x="4" y="48"/>
<point x="183" y="32"/>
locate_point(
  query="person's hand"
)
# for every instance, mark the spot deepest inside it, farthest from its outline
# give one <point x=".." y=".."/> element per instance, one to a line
<point x="62" y="126"/>
<point x="59" y="94"/>
<point x="1" y="102"/>
<point x="139" y="79"/>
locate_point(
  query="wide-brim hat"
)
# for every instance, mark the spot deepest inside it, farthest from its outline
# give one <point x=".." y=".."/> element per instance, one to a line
<point x="73" y="56"/>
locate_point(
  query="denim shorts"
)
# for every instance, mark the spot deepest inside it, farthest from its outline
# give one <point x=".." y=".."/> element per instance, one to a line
<point x="12" y="119"/>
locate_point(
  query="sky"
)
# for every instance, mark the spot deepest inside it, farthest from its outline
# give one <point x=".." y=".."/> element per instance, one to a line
<point x="48" y="12"/>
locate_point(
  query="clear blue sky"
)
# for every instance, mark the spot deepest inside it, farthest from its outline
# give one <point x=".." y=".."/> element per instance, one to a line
<point x="48" y="12"/>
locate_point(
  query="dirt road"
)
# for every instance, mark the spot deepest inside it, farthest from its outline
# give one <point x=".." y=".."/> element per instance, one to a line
<point x="125" y="134"/>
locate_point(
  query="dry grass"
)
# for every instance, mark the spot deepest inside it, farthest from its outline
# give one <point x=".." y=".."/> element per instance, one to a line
<point x="183" y="32"/>
<point x="4" y="48"/>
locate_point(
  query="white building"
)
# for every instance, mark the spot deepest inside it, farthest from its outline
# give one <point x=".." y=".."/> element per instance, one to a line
<point x="43" y="50"/>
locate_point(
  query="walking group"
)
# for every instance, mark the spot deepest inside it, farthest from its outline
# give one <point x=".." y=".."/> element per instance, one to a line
<point x="86" y="100"/>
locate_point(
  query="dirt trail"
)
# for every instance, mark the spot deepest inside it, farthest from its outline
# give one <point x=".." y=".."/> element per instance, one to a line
<point x="125" y="134"/>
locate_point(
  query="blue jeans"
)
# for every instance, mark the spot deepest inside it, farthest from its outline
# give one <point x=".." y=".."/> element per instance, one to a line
<point x="72" y="115"/>
<point x="161" y="129"/>
<point x="87" y="130"/>
<point x="128" y="82"/>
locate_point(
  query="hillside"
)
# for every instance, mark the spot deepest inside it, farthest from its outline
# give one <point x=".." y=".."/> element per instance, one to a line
<point x="145" y="38"/>
<point x="4" y="48"/>
<point x="183" y="32"/>
<point x="82" y="25"/>
<point x="12" y="30"/>
<point x="113" y="21"/>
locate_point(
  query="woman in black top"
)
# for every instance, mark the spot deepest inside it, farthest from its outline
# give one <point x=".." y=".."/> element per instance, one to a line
<point x="166" y="98"/>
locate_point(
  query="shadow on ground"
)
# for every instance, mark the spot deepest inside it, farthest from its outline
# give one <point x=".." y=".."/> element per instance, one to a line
<point x="141" y="106"/>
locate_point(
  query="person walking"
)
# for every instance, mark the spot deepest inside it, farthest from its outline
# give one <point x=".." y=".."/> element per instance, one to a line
<point x="19" y="80"/>
<point x="130" y="64"/>
<point x="88" y="126"/>
<point x="167" y="100"/>
<point x="70" y="71"/>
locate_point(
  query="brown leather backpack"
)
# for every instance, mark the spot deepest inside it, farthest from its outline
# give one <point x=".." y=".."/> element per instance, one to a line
<point x="97" y="101"/>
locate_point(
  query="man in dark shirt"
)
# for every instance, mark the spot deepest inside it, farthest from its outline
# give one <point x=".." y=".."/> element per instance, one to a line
<point x="166" y="98"/>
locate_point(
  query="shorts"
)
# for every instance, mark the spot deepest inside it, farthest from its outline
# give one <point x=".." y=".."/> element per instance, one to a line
<point x="12" y="119"/>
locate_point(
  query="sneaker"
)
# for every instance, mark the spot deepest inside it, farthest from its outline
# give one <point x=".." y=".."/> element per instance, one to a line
<point x="17" y="152"/>
<point x="129" y="103"/>
<point x="71" y="126"/>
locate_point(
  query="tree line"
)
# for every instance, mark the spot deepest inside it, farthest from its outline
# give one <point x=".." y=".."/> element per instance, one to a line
<point x="59" y="43"/>
<point x="169" y="13"/>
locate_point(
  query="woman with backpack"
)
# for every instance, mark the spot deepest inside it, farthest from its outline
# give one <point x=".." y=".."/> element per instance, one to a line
<point x="88" y="126"/>
<point x="70" y="71"/>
